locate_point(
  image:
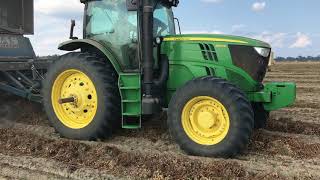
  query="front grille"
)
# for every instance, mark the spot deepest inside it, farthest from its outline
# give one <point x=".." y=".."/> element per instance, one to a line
<point x="250" y="61"/>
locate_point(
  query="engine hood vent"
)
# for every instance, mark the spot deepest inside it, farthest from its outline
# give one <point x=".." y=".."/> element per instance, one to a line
<point x="208" y="52"/>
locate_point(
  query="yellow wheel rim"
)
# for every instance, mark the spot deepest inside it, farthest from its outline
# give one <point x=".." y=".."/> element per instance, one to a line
<point x="76" y="84"/>
<point x="205" y="120"/>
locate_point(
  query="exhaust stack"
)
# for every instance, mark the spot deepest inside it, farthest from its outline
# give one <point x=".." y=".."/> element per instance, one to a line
<point x="147" y="45"/>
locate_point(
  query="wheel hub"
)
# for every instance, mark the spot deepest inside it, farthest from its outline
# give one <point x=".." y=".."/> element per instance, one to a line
<point x="205" y="120"/>
<point x="77" y="85"/>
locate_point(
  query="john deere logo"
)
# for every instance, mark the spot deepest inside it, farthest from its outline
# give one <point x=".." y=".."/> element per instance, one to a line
<point x="9" y="42"/>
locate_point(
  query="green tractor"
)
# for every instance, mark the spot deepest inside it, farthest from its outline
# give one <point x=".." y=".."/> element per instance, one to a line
<point x="131" y="63"/>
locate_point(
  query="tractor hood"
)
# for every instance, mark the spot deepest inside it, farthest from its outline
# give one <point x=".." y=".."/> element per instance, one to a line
<point x="229" y="39"/>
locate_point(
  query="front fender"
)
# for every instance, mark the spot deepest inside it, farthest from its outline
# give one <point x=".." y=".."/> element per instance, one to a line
<point x="81" y="43"/>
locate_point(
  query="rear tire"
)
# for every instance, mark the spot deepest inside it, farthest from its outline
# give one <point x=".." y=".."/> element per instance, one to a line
<point x="261" y="116"/>
<point x="97" y="109"/>
<point x="214" y="91"/>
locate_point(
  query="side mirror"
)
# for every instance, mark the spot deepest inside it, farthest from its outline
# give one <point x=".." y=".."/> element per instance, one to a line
<point x="132" y="5"/>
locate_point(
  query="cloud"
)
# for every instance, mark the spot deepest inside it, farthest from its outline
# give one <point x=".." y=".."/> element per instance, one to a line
<point x="52" y="24"/>
<point x="49" y="32"/>
<point x="212" y="1"/>
<point x="259" y="6"/>
<point x="59" y="8"/>
<point x="277" y="40"/>
<point x="302" y="41"/>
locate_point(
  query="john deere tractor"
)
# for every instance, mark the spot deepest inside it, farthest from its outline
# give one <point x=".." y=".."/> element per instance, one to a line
<point x="132" y="63"/>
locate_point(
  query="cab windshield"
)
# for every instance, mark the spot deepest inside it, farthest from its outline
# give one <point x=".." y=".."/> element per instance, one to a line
<point x="163" y="21"/>
<point x="102" y="16"/>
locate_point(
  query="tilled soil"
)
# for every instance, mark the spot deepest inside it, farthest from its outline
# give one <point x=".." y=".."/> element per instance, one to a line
<point x="289" y="148"/>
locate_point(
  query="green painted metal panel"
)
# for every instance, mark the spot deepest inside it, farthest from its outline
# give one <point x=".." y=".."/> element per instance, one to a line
<point x="275" y="95"/>
<point x="187" y="61"/>
<point x="73" y="45"/>
<point x="226" y="39"/>
<point x="283" y="94"/>
<point x="261" y="96"/>
<point x="130" y="91"/>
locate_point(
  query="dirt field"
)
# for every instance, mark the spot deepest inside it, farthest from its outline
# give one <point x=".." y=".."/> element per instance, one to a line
<point x="288" y="149"/>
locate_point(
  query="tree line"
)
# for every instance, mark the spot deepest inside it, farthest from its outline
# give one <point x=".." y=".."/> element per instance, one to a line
<point x="299" y="58"/>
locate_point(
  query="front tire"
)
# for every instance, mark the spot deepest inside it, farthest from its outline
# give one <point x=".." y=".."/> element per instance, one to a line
<point x="91" y="82"/>
<point x="210" y="117"/>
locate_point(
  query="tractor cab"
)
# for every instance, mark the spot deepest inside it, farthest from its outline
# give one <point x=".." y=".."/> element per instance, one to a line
<point x="114" y="26"/>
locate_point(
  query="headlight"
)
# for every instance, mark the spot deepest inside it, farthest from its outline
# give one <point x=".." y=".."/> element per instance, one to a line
<point x="265" y="52"/>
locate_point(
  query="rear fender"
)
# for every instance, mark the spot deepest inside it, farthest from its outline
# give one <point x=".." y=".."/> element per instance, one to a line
<point x="73" y="45"/>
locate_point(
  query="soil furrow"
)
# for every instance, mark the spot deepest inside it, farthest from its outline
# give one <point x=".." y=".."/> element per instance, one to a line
<point x="145" y="144"/>
<point x="276" y="144"/>
<point x="306" y="104"/>
<point x="297" y="115"/>
<point x="49" y="168"/>
<point x="288" y="76"/>
<point x="281" y="167"/>
<point x="12" y="172"/>
<point x="118" y="153"/>
<point x="115" y="161"/>
<point x="299" y="82"/>
<point x="288" y="126"/>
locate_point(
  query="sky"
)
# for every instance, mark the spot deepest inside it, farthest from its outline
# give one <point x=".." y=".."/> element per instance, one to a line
<point x="290" y="26"/>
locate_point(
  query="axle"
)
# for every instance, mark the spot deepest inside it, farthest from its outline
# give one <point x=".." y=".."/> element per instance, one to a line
<point x="66" y="100"/>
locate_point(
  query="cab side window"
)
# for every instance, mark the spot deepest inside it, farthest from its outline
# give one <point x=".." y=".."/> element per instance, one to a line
<point x="100" y="21"/>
